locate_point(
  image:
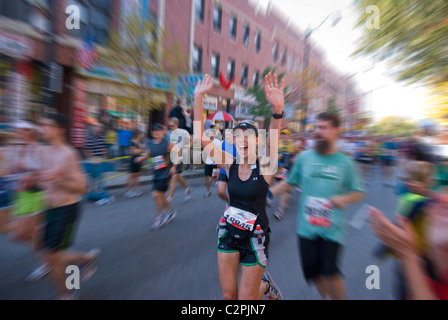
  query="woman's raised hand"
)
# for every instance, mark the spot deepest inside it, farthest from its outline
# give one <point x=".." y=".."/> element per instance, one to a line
<point x="203" y="86"/>
<point x="274" y="92"/>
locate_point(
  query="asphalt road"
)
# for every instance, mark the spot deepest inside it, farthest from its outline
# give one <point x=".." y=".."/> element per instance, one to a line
<point x="178" y="262"/>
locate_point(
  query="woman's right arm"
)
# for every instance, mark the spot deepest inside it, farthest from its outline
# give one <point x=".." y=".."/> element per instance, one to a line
<point x="213" y="151"/>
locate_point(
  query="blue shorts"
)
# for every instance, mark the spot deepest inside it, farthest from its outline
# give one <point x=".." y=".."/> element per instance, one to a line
<point x="6" y="193"/>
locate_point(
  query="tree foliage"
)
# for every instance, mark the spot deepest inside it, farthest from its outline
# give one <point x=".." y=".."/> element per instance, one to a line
<point x="263" y="108"/>
<point x="393" y="126"/>
<point x="139" y="51"/>
<point x="437" y="105"/>
<point x="412" y="37"/>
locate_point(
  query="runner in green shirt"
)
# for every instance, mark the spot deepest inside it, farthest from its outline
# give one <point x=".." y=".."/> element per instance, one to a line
<point x="329" y="183"/>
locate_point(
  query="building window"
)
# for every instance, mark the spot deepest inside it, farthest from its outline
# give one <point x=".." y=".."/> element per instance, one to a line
<point x="230" y="69"/>
<point x="197" y="59"/>
<point x="215" y="65"/>
<point x="297" y="67"/>
<point x="244" y="75"/>
<point x="256" y="78"/>
<point x="232" y="27"/>
<point x="275" y="52"/>
<point x="18" y="9"/>
<point x="217" y="18"/>
<point x="246" y="35"/>
<point x="257" y="41"/>
<point x="283" y="59"/>
<point x="290" y="61"/>
<point x="199" y="4"/>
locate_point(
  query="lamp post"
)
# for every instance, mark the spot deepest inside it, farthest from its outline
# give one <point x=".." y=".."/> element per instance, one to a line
<point x="336" y="17"/>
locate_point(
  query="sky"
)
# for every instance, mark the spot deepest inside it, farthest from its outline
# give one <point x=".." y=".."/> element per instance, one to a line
<point x="383" y="96"/>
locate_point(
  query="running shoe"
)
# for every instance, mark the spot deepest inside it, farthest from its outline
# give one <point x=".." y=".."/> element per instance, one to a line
<point x="168" y="217"/>
<point x="38" y="273"/>
<point x="207" y="194"/>
<point x="188" y="193"/>
<point x="129" y="194"/>
<point x="89" y="267"/>
<point x="157" y="224"/>
<point x="138" y="193"/>
<point x="273" y="293"/>
<point x="279" y="214"/>
<point x="72" y="295"/>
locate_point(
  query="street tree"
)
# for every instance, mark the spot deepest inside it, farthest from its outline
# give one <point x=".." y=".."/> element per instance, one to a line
<point x="409" y="34"/>
<point x="141" y="53"/>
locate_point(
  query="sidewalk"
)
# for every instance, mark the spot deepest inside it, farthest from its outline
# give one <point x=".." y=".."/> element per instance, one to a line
<point x="120" y="181"/>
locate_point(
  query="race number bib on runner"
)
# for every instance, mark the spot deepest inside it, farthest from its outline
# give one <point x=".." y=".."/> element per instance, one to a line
<point x="159" y="163"/>
<point x="240" y="219"/>
<point x="319" y="212"/>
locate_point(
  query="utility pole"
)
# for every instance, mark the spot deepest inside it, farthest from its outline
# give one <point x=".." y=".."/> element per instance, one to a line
<point x="304" y="105"/>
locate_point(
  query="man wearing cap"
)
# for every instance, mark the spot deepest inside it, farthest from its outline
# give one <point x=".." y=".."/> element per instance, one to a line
<point x="159" y="150"/>
<point x="96" y="150"/>
<point x="210" y="166"/>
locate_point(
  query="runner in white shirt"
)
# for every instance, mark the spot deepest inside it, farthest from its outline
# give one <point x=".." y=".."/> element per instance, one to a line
<point x="210" y="166"/>
<point x="181" y="138"/>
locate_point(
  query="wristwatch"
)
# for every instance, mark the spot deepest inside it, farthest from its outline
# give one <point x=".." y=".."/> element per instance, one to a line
<point x="278" y="115"/>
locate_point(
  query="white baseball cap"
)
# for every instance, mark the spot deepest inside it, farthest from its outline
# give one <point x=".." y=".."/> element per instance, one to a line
<point x="22" y="124"/>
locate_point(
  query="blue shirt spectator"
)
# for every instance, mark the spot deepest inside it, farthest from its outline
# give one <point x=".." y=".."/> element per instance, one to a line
<point x="124" y="137"/>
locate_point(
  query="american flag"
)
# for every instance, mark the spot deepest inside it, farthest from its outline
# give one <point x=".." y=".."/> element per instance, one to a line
<point x="87" y="53"/>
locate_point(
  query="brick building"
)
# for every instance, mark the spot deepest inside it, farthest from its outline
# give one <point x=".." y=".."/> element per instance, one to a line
<point x="39" y="69"/>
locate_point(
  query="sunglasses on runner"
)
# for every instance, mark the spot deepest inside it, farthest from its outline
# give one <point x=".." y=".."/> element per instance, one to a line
<point x="246" y="124"/>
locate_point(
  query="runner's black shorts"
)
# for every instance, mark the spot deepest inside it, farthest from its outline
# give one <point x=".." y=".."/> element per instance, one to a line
<point x="208" y="169"/>
<point x="319" y="257"/>
<point x="388" y="162"/>
<point x="223" y="177"/>
<point x="60" y="226"/>
<point x="135" y="167"/>
<point x="248" y="255"/>
<point x="365" y="159"/>
<point x="180" y="168"/>
<point x="161" y="185"/>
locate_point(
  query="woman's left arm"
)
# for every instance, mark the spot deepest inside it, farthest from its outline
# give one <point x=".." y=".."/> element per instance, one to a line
<point x="275" y="96"/>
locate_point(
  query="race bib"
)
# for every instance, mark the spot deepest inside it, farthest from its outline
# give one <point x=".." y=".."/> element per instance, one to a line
<point x="241" y="219"/>
<point x="319" y="212"/>
<point x="159" y="163"/>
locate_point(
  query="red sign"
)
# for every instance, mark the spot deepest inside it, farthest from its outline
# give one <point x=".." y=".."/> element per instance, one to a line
<point x="79" y="113"/>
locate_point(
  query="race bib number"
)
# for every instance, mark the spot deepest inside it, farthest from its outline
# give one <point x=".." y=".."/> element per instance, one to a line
<point x="240" y="219"/>
<point x="319" y="212"/>
<point x="159" y="163"/>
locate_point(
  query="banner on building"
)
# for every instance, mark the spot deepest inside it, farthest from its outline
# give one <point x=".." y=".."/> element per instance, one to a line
<point x="15" y="46"/>
<point x="78" y="132"/>
<point x="186" y="84"/>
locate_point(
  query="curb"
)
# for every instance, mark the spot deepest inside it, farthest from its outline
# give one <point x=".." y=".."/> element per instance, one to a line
<point x="145" y="180"/>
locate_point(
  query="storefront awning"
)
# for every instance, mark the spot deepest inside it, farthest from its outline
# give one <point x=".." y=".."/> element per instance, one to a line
<point x="122" y="114"/>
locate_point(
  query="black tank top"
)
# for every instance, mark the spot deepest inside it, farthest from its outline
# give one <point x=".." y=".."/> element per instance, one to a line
<point x="160" y="156"/>
<point x="249" y="195"/>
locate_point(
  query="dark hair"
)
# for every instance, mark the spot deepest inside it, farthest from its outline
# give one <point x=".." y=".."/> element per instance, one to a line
<point x="136" y="133"/>
<point x="59" y="119"/>
<point x="329" y="116"/>
<point x="158" y="127"/>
